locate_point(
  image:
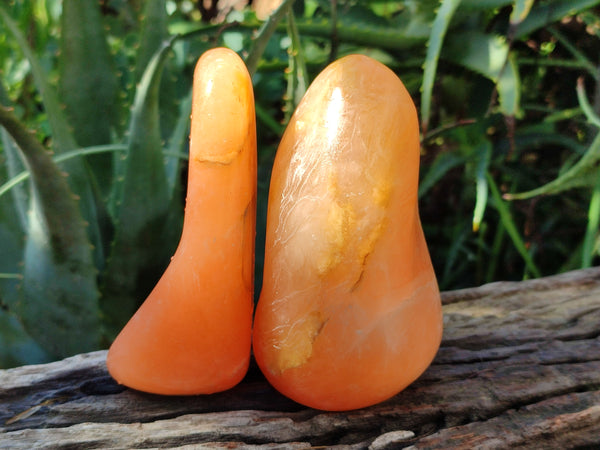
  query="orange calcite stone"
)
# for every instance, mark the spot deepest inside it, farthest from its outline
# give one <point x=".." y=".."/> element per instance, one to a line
<point x="350" y="311"/>
<point x="192" y="335"/>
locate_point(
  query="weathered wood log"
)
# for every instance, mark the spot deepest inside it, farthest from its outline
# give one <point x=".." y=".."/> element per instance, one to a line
<point x="519" y="366"/>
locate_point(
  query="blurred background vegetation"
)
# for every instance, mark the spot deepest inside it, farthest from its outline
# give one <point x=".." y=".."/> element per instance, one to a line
<point x="95" y="106"/>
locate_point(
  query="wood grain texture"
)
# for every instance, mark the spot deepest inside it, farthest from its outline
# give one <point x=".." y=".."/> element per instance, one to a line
<point x="519" y="366"/>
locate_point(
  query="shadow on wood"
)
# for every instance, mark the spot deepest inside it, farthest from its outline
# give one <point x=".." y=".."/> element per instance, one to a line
<point x="519" y="366"/>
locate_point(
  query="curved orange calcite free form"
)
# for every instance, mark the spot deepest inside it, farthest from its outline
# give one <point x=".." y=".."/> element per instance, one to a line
<point x="350" y="311"/>
<point x="192" y="335"/>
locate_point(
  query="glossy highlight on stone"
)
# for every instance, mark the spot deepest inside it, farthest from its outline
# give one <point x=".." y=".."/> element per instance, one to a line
<point x="350" y="311"/>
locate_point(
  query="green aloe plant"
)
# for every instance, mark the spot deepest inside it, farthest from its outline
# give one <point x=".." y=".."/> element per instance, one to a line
<point x="92" y="220"/>
<point x="103" y="214"/>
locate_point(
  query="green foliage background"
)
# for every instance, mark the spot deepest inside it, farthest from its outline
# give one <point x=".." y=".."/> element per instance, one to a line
<point x="94" y="121"/>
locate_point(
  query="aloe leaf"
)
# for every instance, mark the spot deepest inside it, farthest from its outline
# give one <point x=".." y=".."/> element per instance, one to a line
<point x="413" y="20"/>
<point x="141" y="207"/>
<point x="177" y="144"/>
<point x="484" y="151"/>
<point x="485" y="5"/>
<point x="545" y="13"/>
<point x="297" y="75"/>
<point x="350" y="30"/>
<point x="17" y="348"/>
<point x="87" y="85"/>
<point x="509" y="89"/>
<point x="80" y="178"/>
<point x="365" y="33"/>
<point x="264" y="34"/>
<point x="13" y="223"/>
<point x="154" y="30"/>
<point x="495" y="253"/>
<point x="434" y="47"/>
<point x="13" y="226"/>
<point x="60" y="297"/>
<point x="443" y="162"/>
<point x="61" y="133"/>
<point x="511" y="228"/>
<point x="176" y="151"/>
<point x="591" y="232"/>
<point x="23" y="175"/>
<point x="520" y="11"/>
<point x="453" y="255"/>
<point x="489" y="56"/>
<point x="482" y="53"/>
<point x="578" y="175"/>
<point x="596" y="247"/>
<point x="11" y="267"/>
<point x="588" y="110"/>
<point x="15" y="166"/>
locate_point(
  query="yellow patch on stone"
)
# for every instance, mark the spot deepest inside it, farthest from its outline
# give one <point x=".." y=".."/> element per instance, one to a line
<point x="341" y="220"/>
<point x="297" y="347"/>
<point x="381" y="194"/>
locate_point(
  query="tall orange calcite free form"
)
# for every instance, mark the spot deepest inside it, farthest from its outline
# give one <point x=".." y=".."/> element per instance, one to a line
<point x="350" y="311"/>
<point x="192" y="335"/>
